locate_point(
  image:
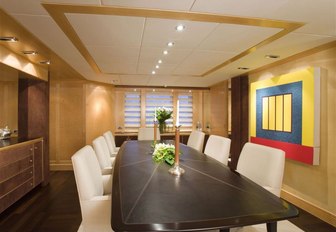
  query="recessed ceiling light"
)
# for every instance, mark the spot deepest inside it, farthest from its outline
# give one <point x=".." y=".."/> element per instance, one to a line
<point x="243" y="68"/>
<point x="45" y="62"/>
<point x="157" y="66"/>
<point x="160" y="61"/>
<point x="165" y="52"/>
<point x="272" y="56"/>
<point x="9" y="39"/>
<point x="180" y="27"/>
<point x="153" y="72"/>
<point x="30" y="52"/>
<point x="134" y="90"/>
<point x="170" y="44"/>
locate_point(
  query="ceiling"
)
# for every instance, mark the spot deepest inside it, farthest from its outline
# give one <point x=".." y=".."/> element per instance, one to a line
<point x="121" y="41"/>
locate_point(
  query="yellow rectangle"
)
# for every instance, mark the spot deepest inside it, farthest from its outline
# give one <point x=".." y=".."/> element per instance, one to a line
<point x="265" y="113"/>
<point x="279" y="113"/>
<point x="271" y="114"/>
<point x="287" y="112"/>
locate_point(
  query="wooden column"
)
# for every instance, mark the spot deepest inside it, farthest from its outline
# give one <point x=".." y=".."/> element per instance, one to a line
<point x="33" y="119"/>
<point x="239" y="115"/>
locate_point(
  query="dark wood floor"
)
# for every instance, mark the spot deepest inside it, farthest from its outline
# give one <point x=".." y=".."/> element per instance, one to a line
<point x="55" y="207"/>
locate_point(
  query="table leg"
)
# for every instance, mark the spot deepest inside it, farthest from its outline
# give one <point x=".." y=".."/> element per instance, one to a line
<point x="272" y="227"/>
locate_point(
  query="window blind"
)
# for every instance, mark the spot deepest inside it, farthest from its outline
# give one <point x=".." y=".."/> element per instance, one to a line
<point x="186" y="110"/>
<point x="132" y="110"/>
<point x="155" y="100"/>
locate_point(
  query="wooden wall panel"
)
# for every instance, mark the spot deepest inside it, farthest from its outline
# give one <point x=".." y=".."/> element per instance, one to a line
<point x="239" y="117"/>
<point x="219" y="109"/>
<point x="33" y="111"/>
<point x="79" y="112"/>
<point x="9" y="104"/>
<point x="100" y="114"/>
<point x="67" y="122"/>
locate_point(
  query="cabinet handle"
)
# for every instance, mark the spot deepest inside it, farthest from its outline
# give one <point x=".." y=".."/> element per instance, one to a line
<point x="35" y="148"/>
<point x="31" y="172"/>
<point x="31" y="149"/>
<point x="30" y="161"/>
<point x="31" y="184"/>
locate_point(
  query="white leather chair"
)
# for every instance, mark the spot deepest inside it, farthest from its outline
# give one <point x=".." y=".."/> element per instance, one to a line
<point x="148" y="133"/>
<point x="263" y="165"/>
<point x="109" y="138"/>
<point x="94" y="191"/>
<point x="218" y="147"/>
<point x="196" y="140"/>
<point x="103" y="155"/>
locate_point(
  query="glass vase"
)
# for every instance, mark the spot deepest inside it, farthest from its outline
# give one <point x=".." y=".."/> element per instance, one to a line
<point x="162" y="127"/>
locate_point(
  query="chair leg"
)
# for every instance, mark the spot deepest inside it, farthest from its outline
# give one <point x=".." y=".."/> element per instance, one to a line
<point x="272" y="227"/>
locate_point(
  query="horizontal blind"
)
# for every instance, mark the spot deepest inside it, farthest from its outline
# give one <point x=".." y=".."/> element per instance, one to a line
<point x="132" y="110"/>
<point x="155" y="100"/>
<point x="185" y="111"/>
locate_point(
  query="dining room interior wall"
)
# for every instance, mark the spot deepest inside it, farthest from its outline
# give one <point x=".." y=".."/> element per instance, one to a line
<point x="314" y="187"/>
<point x="79" y="112"/>
<point x="219" y="109"/>
<point x="100" y="114"/>
<point x="8" y="97"/>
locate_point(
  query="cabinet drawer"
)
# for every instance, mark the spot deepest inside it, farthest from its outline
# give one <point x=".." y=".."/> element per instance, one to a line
<point x="15" y="168"/>
<point x="12" y="183"/>
<point x="12" y="155"/>
<point x="8" y="199"/>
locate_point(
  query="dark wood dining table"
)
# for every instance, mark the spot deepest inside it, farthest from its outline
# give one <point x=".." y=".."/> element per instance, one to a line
<point x="146" y="197"/>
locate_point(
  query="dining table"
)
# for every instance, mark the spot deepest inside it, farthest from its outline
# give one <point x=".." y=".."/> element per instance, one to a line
<point x="209" y="195"/>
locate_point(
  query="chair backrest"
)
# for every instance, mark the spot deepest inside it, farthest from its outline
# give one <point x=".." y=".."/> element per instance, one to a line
<point x="102" y="152"/>
<point x="218" y="147"/>
<point x="196" y="140"/>
<point x="87" y="173"/>
<point x="148" y="133"/>
<point x="263" y="165"/>
<point x="109" y="138"/>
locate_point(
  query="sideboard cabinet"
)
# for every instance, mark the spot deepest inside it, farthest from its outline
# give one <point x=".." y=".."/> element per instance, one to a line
<point x="21" y="169"/>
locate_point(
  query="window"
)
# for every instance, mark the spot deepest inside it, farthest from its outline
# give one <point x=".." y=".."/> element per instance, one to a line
<point x="132" y="110"/>
<point x="139" y="108"/>
<point x="186" y="110"/>
<point x="157" y="99"/>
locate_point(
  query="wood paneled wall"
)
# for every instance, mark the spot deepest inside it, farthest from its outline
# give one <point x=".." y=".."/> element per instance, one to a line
<point x="219" y="109"/>
<point x="100" y="113"/>
<point x="79" y="112"/>
<point x="33" y="111"/>
<point x="8" y="97"/>
<point x="314" y="187"/>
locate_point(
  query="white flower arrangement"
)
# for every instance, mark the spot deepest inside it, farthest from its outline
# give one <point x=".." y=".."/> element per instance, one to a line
<point x="164" y="152"/>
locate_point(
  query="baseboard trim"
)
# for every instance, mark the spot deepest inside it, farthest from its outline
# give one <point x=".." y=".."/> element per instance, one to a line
<point x="309" y="207"/>
<point x="61" y="167"/>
